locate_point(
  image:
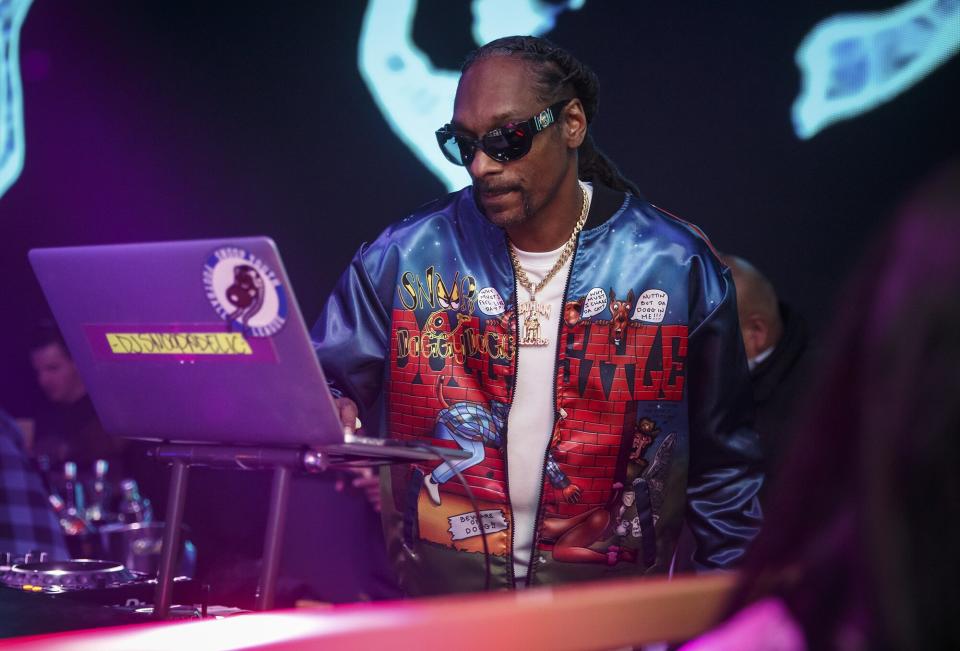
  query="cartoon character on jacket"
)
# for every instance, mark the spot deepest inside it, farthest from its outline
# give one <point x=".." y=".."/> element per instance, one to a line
<point x="619" y="316"/>
<point x="646" y="430"/>
<point x="472" y="426"/>
<point x="609" y="534"/>
<point x="435" y="337"/>
<point x="573" y="311"/>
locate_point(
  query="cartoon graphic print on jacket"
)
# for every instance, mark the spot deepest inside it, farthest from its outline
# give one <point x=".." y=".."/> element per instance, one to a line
<point x="651" y="388"/>
<point x="473" y="427"/>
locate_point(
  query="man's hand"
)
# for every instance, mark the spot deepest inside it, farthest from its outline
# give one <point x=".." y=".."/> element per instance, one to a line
<point x="348" y="415"/>
<point x="364" y="479"/>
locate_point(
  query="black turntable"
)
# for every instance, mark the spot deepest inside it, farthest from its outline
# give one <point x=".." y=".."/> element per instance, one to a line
<point x="55" y="577"/>
<point x="106" y="583"/>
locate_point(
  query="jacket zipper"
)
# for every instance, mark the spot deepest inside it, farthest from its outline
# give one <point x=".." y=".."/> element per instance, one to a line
<point x="556" y="412"/>
<point x="513" y="393"/>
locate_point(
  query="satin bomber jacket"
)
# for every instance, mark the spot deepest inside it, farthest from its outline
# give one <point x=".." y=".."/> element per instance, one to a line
<point x="653" y="401"/>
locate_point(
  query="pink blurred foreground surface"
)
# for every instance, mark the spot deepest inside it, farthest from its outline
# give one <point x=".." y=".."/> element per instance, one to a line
<point x="600" y="615"/>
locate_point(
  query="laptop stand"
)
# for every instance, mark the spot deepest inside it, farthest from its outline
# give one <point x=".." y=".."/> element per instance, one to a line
<point x="283" y="462"/>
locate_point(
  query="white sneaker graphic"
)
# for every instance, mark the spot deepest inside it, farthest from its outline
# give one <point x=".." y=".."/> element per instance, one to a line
<point x="433" y="489"/>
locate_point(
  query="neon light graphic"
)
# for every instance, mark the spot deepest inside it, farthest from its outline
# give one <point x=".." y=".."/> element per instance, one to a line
<point x="852" y="63"/>
<point x="414" y="96"/>
<point x="12" y="13"/>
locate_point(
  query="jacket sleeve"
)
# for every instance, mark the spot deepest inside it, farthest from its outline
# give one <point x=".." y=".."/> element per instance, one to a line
<point x="723" y="510"/>
<point x="352" y="335"/>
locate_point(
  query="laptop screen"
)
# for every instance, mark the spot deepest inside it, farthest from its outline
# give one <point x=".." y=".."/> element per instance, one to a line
<point x="199" y="341"/>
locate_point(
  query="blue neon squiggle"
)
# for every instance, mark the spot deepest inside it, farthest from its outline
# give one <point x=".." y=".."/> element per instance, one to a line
<point x="12" y="15"/>
<point x="852" y="63"/>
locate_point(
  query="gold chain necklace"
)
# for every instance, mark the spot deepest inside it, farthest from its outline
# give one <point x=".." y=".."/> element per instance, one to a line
<point x="531" y="311"/>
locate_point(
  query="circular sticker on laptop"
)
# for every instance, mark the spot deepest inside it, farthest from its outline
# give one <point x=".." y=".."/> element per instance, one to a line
<point x="245" y="292"/>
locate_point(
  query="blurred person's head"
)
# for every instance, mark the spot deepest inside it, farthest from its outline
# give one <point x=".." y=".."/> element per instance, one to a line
<point x="54" y="368"/>
<point x="864" y="522"/>
<point x="757" y="307"/>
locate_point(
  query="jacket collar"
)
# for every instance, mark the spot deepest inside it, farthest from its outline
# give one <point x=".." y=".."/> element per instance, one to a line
<point x="606" y="202"/>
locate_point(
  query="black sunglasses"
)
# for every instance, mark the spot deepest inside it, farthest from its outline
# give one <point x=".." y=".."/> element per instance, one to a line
<point x="504" y="144"/>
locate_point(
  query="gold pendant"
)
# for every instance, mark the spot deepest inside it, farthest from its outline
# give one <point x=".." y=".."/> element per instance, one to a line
<point x="530" y="331"/>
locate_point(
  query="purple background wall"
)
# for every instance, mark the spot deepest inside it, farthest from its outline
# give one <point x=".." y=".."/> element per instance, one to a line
<point x="169" y="120"/>
<point x="161" y="120"/>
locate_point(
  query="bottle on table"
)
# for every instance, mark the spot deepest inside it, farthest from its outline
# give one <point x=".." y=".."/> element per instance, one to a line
<point x="133" y="507"/>
<point x="72" y="489"/>
<point x="70" y="522"/>
<point x="97" y="509"/>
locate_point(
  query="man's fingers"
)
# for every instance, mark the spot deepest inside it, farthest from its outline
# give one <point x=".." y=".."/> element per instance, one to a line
<point x="348" y="414"/>
<point x="364" y="479"/>
<point x="360" y="472"/>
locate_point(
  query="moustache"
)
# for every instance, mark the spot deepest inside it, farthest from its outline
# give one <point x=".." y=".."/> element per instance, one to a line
<point x="492" y="188"/>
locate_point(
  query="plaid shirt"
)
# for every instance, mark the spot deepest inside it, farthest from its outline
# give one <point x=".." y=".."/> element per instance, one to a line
<point x="27" y="521"/>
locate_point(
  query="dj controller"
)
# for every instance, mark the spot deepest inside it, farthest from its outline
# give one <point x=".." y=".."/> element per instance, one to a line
<point x="39" y="595"/>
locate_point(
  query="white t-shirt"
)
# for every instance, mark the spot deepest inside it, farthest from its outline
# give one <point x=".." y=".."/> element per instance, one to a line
<point x="530" y="423"/>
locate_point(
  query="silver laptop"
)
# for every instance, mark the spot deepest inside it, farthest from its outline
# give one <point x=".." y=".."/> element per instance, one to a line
<point x="199" y="341"/>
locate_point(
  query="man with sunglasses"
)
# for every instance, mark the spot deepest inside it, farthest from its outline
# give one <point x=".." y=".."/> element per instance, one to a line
<point x="535" y="320"/>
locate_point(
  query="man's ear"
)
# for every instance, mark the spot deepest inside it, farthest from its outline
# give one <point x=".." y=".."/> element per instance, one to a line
<point x="756" y="333"/>
<point x="573" y="124"/>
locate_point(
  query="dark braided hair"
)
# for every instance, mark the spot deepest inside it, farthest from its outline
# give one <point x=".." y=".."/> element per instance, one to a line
<point x="557" y="74"/>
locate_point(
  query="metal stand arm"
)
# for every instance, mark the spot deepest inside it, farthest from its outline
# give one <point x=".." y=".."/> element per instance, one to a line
<point x="171" y="539"/>
<point x="282" y="461"/>
<point x="273" y="539"/>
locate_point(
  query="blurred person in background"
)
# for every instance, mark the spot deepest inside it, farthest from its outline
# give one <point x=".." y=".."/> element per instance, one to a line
<point x="27" y="521"/>
<point x="776" y="344"/>
<point x="67" y="427"/>
<point x="776" y="341"/>
<point x="859" y="550"/>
